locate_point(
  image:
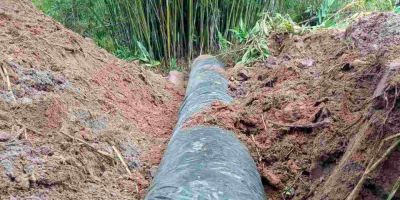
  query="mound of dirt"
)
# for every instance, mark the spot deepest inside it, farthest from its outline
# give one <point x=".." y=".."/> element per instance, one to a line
<point x="66" y="109"/>
<point x="314" y="113"/>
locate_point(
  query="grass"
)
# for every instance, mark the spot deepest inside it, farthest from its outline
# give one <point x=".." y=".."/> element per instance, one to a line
<point x="329" y="14"/>
<point x="252" y="43"/>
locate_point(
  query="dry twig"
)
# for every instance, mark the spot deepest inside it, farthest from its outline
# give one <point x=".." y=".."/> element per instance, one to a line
<point x="394" y="190"/>
<point x="6" y="78"/>
<point x="258" y="150"/>
<point x="105" y="154"/>
<point x="122" y="160"/>
<point x="374" y="163"/>
<point x="263" y="120"/>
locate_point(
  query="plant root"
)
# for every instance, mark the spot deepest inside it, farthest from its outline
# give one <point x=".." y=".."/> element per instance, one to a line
<point x="374" y="163"/>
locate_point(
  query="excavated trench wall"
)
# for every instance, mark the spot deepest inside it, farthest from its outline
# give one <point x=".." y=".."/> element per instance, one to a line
<point x="205" y="162"/>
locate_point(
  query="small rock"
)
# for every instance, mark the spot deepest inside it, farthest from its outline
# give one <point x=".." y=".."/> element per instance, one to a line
<point x="243" y="75"/>
<point x="4" y="136"/>
<point x="306" y="63"/>
<point x="8" y="167"/>
<point x="86" y="135"/>
<point x="232" y="86"/>
<point x="293" y="166"/>
<point x="271" y="60"/>
<point x="45" y="150"/>
<point x="272" y="178"/>
<point x="389" y="72"/>
<point x="153" y="171"/>
<point x="29" y="169"/>
<point x="176" y="78"/>
<point x="293" y="111"/>
<point x="23" y="182"/>
<point x="26" y="101"/>
<point x="4" y="116"/>
<point x="8" y="97"/>
<point x="286" y="57"/>
<point x="358" y="63"/>
<point x="394" y="65"/>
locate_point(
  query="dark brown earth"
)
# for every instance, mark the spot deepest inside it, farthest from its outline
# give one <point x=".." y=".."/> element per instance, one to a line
<point x="313" y="114"/>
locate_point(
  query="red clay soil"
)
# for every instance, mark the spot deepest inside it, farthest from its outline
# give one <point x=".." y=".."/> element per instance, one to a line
<point x="70" y="103"/>
<point x="314" y="113"/>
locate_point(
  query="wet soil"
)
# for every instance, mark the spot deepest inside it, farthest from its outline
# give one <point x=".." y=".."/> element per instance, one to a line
<point x="314" y="113"/>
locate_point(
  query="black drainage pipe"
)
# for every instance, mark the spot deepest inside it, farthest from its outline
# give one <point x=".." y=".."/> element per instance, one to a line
<point x="205" y="162"/>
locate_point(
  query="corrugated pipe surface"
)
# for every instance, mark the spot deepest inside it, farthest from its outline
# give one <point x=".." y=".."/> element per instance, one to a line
<point x="205" y="162"/>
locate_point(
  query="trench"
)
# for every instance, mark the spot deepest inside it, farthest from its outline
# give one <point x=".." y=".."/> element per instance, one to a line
<point x="205" y="162"/>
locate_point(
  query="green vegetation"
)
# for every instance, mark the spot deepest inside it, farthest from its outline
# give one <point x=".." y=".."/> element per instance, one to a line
<point x="252" y="45"/>
<point x="160" y="32"/>
<point x="155" y="29"/>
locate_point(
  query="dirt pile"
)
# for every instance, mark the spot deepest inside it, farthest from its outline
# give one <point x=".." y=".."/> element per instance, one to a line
<point x="67" y="105"/>
<point x="314" y="113"/>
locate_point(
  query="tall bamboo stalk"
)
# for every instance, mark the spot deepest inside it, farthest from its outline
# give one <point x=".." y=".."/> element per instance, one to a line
<point x="178" y="28"/>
